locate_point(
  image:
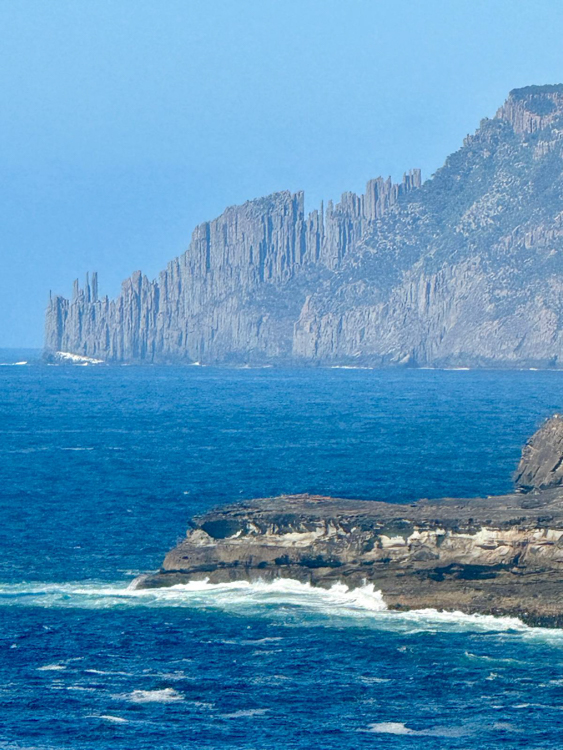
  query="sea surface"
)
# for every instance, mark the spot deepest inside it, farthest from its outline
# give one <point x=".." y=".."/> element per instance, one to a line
<point x="100" y="470"/>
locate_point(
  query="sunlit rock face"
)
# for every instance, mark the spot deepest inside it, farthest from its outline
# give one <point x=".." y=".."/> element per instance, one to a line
<point x="497" y="555"/>
<point x="464" y="269"/>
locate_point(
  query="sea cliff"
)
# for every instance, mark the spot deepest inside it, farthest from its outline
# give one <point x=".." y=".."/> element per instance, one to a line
<point x="464" y="269"/>
<point x="496" y="555"/>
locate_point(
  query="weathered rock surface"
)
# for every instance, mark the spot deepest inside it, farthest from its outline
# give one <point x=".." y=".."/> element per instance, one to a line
<point x="496" y="555"/>
<point x="541" y="465"/>
<point x="463" y="270"/>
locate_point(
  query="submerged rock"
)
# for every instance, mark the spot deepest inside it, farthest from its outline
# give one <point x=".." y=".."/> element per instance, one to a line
<point x="497" y="555"/>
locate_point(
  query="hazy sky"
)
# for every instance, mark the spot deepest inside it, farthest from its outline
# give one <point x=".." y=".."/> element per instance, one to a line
<point x="124" y="123"/>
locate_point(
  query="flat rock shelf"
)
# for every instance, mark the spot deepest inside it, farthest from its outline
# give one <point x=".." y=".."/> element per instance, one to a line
<point x="497" y="555"/>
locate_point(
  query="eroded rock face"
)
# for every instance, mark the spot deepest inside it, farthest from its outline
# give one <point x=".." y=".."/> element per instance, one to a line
<point x="500" y="555"/>
<point x="541" y="465"/>
<point x="463" y="270"/>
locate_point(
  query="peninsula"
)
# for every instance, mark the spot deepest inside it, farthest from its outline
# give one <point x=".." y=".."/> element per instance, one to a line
<point x="463" y="269"/>
<point x="496" y="555"/>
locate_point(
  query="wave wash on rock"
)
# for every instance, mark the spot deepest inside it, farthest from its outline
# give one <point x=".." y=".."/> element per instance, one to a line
<point x="463" y="270"/>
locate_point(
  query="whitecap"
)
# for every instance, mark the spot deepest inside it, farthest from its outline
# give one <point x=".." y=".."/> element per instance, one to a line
<point x="246" y="713"/>
<point x="397" y="727"/>
<point x="258" y="641"/>
<point x="51" y="668"/>
<point x="390" y="727"/>
<point x="107" y="672"/>
<point x="115" y="719"/>
<point x="166" y="695"/>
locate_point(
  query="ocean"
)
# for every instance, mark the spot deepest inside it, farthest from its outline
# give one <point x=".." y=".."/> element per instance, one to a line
<point x="101" y="469"/>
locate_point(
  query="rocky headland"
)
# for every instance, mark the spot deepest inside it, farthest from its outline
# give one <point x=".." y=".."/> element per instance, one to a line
<point x="463" y="269"/>
<point x="495" y="555"/>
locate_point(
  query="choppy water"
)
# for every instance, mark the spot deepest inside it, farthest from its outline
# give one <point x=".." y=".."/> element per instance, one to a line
<point x="100" y="468"/>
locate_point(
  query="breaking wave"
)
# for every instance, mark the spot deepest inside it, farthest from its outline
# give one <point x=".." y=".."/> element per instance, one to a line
<point x="166" y="695"/>
<point x="364" y="604"/>
<point x="396" y="727"/>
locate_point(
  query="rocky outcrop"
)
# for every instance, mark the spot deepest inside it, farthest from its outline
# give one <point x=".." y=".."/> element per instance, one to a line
<point x="497" y="555"/>
<point x="532" y="108"/>
<point x="541" y="465"/>
<point x="463" y="270"/>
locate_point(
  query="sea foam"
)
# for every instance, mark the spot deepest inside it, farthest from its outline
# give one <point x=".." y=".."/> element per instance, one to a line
<point x="363" y="605"/>
<point x="166" y="695"/>
<point x="397" y="727"/>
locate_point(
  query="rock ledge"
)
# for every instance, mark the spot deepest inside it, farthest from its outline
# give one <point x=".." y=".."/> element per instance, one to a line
<point x="498" y="555"/>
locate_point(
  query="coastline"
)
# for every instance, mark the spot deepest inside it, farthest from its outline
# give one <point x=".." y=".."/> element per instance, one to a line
<point x="500" y="556"/>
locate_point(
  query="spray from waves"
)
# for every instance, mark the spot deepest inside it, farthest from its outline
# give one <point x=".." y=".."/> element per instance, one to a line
<point x="237" y="595"/>
<point x="363" y="605"/>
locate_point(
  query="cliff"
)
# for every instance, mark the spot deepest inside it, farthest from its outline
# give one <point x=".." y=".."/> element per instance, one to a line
<point x="496" y="555"/>
<point x="465" y="269"/>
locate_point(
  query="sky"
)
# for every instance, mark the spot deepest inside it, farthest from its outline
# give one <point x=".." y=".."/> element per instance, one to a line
<point x="125" y="123"/>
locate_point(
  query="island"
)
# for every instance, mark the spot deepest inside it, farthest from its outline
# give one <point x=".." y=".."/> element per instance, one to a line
<point x="499" y="555"/>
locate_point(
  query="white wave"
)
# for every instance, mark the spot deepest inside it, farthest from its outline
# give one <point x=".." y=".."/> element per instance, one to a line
<point x="246" y="714"/>
<point x="397" y="727"/>
<point x="487" y="622"/>
<point x="166" y="695"/>
<point x="78" y="359"/>
<point x="12" y="364"/>
<point x="259" y="641"/>
<point x="239" y="594"/>
<point x="115" y="719"/>
<point x="390" y="727"/>
<point x="365" y="604"/>
<point x="51" y="668"/>
<point x="105" y="672"/>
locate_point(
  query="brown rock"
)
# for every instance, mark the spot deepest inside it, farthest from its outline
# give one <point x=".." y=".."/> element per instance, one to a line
<point x="500" y="555"/>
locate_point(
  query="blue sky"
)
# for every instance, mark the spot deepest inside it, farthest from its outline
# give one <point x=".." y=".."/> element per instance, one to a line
<point x="124" y="123"/>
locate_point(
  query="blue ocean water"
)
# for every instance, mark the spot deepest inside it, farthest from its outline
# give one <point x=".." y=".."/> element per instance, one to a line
<point x="100" y="470"/>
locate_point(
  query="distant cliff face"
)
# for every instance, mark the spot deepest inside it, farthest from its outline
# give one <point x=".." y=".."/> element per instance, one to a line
<point x="464" y="270"/>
